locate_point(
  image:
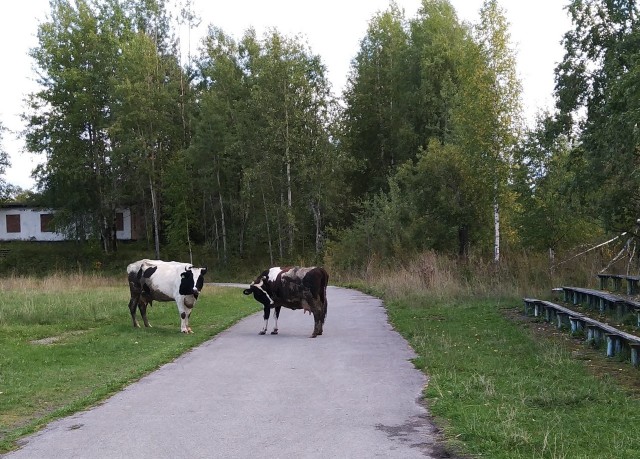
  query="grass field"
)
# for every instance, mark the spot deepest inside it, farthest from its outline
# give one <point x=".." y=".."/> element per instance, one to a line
<point x="505" y="388"/>
<point x="500" y="385"/>
<point x="67" y="342"/>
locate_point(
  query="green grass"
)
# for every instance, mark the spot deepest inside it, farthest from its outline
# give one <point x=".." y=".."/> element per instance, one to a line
<point x="64" y="350"/>
<point x="499" y="392"/>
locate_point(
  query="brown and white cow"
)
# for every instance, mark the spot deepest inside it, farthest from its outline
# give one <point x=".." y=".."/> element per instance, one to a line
<point x="294" y="288"/>
<point x="164" y="281"/>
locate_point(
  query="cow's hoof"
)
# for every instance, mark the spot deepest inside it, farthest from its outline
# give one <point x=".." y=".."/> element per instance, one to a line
<point x="274" y="332"/>
<point x="314" y="335"/>
<point x="263" y="332"/>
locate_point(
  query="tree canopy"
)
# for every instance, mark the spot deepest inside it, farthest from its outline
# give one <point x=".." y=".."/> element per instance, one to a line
<point x="246" y="150"/>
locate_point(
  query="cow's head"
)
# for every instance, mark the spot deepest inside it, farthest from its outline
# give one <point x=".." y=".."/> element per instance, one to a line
<point x="260" y="289"/>
<point x="192" y="281"/>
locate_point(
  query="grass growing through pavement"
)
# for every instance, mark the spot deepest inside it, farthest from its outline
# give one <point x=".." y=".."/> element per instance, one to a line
<point x="499" y="392"/>
<point x="68" y="342"/>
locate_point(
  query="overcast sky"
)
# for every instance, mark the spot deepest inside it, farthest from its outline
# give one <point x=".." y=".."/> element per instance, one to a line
<point x="333" y="29"/>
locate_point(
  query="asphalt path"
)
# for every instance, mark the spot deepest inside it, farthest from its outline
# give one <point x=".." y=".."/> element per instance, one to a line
<point x="350" y="393"/>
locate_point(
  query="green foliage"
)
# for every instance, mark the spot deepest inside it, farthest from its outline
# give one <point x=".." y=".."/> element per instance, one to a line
<point x="430" y="205"/>
<point x="548" y="214"/>
<point x="246" y="153"/>
<point x="461" y="105"/>
<point x="597" y="98"/>
<point x="106" y="108"/>
<point x="378" y="132"/>
<point x="267" y="169"/>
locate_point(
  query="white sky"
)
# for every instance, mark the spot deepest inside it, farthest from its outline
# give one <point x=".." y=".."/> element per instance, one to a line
<point x="333" y="30"/>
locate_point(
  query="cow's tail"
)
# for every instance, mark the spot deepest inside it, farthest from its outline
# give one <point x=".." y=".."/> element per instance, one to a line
<point x="323" y="292"/>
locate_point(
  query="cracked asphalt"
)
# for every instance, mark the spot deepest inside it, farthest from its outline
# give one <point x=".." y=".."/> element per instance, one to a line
<point x="350" y="393"/>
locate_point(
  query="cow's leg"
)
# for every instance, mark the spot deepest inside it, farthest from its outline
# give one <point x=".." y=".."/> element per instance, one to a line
<point x="318" y="317"/>
<point x="188" y="326"/>
<point x="317" y="307"/>
<point x="143" y="312"/>
<point x="267" y="312"/>
<point x="184" y="316"/>
<point x="275" y="328"/>
<point x="133" y="304"/>
<point x="317" y="328"/>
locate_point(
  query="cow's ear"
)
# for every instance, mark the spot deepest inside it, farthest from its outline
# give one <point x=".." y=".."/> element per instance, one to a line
<point x="247" y="291"/>
<point x="203" y="270"/>
<point x="149" y="271"/>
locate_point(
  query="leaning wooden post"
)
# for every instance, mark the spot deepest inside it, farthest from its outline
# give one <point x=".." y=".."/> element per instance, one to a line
<point x="576" y="324"/>
<point x="603" y="282"/>
<point x="635" y="355"/>
<point x="610" y="345"/>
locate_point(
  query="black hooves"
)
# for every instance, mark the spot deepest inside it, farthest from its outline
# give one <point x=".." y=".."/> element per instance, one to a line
<point x="274" y="332"/>
<point x="262" y="332"/>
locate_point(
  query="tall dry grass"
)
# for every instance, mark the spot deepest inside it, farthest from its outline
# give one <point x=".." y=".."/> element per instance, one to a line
<point x="59" y="282"/>
<point x="441" y="276"/>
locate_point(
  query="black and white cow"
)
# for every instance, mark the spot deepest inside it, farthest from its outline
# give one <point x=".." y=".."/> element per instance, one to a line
<point x="164" y="281"/>
<point x="293" y="288"/>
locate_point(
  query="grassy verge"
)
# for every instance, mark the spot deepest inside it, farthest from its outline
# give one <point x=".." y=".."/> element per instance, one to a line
<point x="68" y="343"/>
<point x="500" y="390"/>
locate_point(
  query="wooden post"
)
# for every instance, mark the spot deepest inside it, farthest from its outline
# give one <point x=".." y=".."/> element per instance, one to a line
<point x="576" y="324"/>
<point x="617" y="283"/>
<point x="603" y="281"/>
<point x="635" y="355"/>
<point x="529" y="306"/>
<point x="610" y="345"/>
<point x="562" y="318"/>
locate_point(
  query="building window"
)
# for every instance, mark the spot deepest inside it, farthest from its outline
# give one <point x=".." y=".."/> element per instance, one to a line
<point x="13" y="223"/>
<point x="119" y="221"/>
<point x="46" y="223"/>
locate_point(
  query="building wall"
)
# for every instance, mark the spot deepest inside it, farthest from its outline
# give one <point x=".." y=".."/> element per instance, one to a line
<point x="30" y="225"/>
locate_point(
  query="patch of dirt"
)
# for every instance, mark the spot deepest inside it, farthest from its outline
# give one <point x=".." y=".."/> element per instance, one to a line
<point x="594" y="359"/>
<point x="54" y="339"/>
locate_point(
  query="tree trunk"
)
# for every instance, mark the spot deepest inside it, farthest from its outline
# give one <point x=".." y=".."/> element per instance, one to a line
<point x="496" y="226"/>
<point x="222" y="222"/>
<point x="215" y="223"/>
<point x="463" y="241"/>
<point x="154" y="207"/>
<point x="188" y="237"/>
<point x="266" y="217"/>
<point x="287" y="156"/>
<point x="317" y="217"/>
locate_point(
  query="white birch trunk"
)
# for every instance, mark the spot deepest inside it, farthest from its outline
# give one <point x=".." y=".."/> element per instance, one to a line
<point x="496" y="226"/>
<point x="288" y="165"/>
<point x="266" y="217"/>
<point x="154" y="206"/>
<point x="222" y="223"/>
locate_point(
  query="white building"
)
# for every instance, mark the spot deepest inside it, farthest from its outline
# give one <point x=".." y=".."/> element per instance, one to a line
<point x="19" y="222"/>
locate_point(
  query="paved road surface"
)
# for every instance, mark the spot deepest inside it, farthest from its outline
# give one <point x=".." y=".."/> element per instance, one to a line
<point x="351" y="393"/>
